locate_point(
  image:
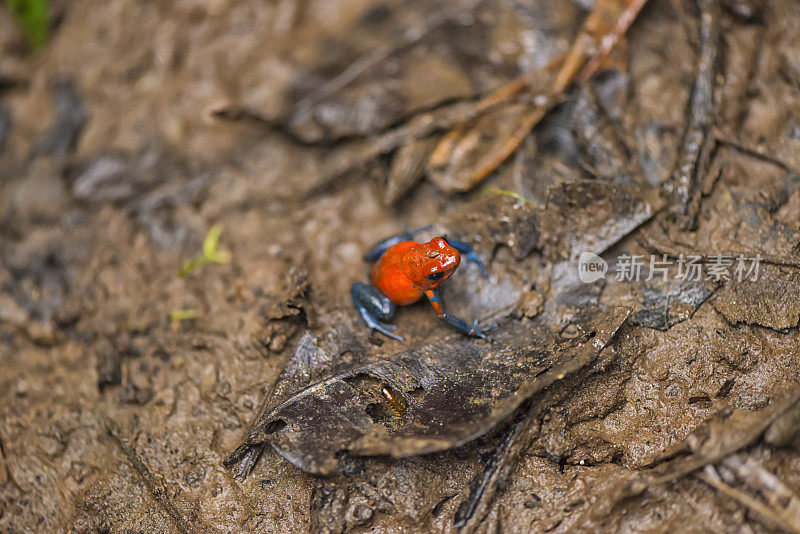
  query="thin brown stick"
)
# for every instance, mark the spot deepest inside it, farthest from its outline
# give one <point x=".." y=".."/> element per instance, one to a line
<point x="147" y="477"/>
<point x="510" y="146"/>
<point x="760" y="480"/>
<point x="610" y="40"/>
<point x="502" y="94"/>
<point x="697" y="143"/>
<point x="762" y="512"/>
<point x="571" y="65"/>
<point x="742" y="148"/>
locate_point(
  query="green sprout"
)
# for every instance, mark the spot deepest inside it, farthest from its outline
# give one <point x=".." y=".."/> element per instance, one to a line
<point x="496" y="191"/>
<point x="177" y="316"/>
<point x="32" y="17"/>
<point x="210" y="252"/>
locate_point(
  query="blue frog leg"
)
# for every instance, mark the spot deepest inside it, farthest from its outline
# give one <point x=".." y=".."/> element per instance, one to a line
<point x="456" y="322"/>
<point x="374" y="308"/>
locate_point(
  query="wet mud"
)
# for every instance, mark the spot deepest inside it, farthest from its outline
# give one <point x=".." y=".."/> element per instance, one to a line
<point x="244" y="394"/>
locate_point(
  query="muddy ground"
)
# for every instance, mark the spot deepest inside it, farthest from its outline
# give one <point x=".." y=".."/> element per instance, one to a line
<point x="140" y="125"/>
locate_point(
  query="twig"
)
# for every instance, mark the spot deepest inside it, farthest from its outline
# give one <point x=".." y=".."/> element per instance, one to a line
<point x="725" y="444"/>
<point x="783" y="501"/>
<point x="697" y="145"/>
<point x="490" y="102"/>
<point x="739" y="146"/>
<point x="739" y="439"/>
<point x="475" y="506"/>
<point x="574" y="62"/>
<point x="147" y="477"/>
<point x="510" y="146"/>
<point x="422" y="125"/>
<point x="764" y="513"/>
<point x="455" y="117"/>
<point x="610" y="40"/>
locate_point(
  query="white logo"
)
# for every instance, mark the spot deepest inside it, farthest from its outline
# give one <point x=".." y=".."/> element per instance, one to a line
<point x="591" y="267"/>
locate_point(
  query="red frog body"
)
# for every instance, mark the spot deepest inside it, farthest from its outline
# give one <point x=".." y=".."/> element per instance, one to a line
<point x="406" y="270"/>
<point x="409" y="269"/>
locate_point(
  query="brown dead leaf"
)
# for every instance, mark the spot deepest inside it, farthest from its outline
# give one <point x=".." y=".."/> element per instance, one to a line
<point x="466" y="156"/>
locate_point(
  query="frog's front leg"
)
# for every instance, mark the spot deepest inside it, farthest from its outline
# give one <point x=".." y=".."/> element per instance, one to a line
<point x="374" y="307"/>
<point x="472" y="256"/>
<point x="456" y="322"/>
<point x="382" y="246"/>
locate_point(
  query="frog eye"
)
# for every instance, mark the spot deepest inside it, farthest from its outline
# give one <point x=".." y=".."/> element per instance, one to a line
<point x="435" y="277"/>
<point x="433" y="254"/>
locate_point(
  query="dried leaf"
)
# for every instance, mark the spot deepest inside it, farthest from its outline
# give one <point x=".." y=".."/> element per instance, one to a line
<point x="468" y="155"/>
<point x="427" y="399"/>
<point x="408" y="167"/>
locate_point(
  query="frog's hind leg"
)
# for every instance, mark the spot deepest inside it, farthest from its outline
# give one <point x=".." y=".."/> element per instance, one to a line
<point x="380" y="247"/>
<point x="374" y="307"/>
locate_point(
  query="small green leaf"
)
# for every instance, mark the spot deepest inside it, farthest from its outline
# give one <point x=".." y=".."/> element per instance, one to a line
<point x="496" y="191"/>
<point x="183" y="315"/>
<point x="210" y="252"/>
<point x="32" y="16"/>
<point x="211" y="241"/>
